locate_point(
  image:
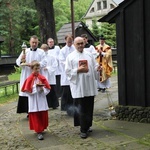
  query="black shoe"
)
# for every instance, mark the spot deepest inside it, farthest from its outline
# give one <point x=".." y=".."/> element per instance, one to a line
<point x="40" y="136"/>
<point x="83" y="135"/>
<point x="103" y="90"/>
<point x="99" y="89"/>
<point x="54" y="107"/>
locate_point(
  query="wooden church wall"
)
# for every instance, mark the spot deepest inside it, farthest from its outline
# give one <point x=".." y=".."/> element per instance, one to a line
<point x="133" y="54"/>
<point x="146" y="40"/>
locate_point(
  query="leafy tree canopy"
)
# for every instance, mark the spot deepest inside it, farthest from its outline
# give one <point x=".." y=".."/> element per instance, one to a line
<point x="19" y="20"/>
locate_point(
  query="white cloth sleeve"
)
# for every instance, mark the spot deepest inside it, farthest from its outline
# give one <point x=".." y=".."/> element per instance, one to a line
<point x="53" y="66"/>
<point x="43" y="61"/>
<point x="45" y="91"/>
<point x="18" y="60"/>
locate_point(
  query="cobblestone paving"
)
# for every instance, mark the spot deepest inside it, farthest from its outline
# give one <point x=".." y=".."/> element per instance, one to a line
<point x="61" y="135"/>
<point x="10" y="136"/>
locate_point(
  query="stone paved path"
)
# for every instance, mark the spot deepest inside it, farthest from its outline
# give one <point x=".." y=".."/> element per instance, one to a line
<point x="108" y="133"/>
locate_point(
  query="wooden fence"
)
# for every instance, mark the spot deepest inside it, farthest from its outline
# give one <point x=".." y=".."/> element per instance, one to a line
<point x="9" y="88"/>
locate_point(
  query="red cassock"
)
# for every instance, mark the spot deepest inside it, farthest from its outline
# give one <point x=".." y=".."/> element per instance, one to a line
<point x="38" y="121"/>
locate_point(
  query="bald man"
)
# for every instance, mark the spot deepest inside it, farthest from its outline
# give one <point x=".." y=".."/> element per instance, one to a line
<point x="81" y="70"/>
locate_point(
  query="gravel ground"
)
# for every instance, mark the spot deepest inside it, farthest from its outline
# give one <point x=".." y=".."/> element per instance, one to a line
<point x="10" y="137"/>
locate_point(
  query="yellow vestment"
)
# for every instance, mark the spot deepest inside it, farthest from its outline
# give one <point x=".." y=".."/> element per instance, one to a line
<point x="105" y="62"/>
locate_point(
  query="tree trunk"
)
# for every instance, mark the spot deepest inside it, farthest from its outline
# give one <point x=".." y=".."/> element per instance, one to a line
<point x="46" y="19"/>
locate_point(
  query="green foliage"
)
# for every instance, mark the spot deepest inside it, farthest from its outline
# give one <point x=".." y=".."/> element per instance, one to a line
<point x="63" y="12"/>
<point x="106" y="29"/>
<point x="95" y="28"/>
<point x="17" y="69"/>
<point x="18" y="22"/>
<point x="109" y="31"/>
<point x="15" y="75"/>
<point x="80" y="8"/>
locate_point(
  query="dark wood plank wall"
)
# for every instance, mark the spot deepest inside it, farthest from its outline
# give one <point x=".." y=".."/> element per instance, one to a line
<point x="134" y="55"/>
<point x="146" y="22"/>
<point x="133" y="34"/>
<point x="132" y="19"/>
<point x="8" y="60"/>
<point x="120" y="32"/>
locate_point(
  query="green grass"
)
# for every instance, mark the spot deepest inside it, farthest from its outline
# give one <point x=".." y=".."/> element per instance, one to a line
<point x="145" y="140"/>
<point x="7" y="99"/>
<point x="14" y="76"/>
<point x="10" y="97"/>
<point x="11" y="90"/>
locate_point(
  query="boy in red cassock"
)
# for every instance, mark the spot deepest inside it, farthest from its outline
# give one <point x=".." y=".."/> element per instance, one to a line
<point x="37" y="87"/>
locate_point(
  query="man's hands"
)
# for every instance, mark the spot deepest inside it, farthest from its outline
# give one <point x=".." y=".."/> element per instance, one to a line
<point x="23" y="61"/>
<point x="23" y="58"/>
<point x="45" y="69"/>
<point x="99" y="68"/>
<point x="82" y="69"/>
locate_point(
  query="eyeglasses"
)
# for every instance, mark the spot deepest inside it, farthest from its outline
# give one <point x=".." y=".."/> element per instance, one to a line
<point x="80" y="43"/>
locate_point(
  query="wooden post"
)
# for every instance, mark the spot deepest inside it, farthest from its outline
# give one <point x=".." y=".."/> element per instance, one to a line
<point x="6" y="91"/>
<point x="17" y="87"/>
<point x="72" y="18"/>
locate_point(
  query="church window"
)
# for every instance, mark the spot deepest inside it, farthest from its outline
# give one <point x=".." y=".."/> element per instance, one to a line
<point x="99" y="6"/>
<point x="92" y="10"/>
<point x="104" y="4"/>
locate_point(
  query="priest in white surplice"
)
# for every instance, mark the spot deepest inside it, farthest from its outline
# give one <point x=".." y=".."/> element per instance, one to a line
<point x="66" y="98"/>
<point x="55" y="50"/>
<point x="81" y="70"/>
<point x="32" y="53"/>
<point x="49" y="72"/>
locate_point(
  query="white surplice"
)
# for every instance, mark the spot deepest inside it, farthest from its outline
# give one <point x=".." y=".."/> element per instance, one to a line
<point x="64" y="52"/>
<point x="51" y="66"/>
<point x="81" y="84"/>
<point x="38" y="55"/>
<point x="92" y="50"/>
<point x="55" y="52"/>
<point x="37" y="99"/>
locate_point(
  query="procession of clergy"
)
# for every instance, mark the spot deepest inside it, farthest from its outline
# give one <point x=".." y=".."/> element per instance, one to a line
<point x="73" y="74"/>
